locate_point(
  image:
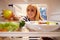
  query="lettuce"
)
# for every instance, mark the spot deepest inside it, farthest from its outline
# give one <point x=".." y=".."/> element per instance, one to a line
<point x="10" y="26"/>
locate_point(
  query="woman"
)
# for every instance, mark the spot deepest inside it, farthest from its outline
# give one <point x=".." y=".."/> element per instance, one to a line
<point x="32" y="13"/>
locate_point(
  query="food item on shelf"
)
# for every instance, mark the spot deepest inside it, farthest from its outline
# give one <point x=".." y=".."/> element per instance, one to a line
<point x="7" y="13"/>
<point x="21" y="23"/>
<point x="2" y="27"/>
<point x="51" y="23"/>
<point x="48" y="23"/>
<point x="42" y="22"/>
<point x="12" y="26"/>
<point x="9" y="26"/>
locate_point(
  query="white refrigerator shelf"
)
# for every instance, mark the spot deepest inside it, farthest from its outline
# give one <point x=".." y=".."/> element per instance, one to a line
<point x="30" y="34"/>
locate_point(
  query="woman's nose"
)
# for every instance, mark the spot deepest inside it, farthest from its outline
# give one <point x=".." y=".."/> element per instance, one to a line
<point x="29" y="12"/>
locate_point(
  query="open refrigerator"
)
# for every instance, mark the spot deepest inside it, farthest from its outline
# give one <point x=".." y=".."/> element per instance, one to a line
<point x="31" y="34"/>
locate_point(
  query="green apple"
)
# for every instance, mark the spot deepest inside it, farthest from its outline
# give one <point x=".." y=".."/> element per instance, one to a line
<point x="7" y="14"/>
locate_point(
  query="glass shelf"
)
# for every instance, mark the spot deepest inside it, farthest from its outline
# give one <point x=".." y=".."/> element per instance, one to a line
<point x="30" y="34"/>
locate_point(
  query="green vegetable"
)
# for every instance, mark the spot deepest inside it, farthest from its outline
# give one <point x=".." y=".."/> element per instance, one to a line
<point x="21" y="23"/>
<point x="1" y="26"/>
<point x="10" y="26"/>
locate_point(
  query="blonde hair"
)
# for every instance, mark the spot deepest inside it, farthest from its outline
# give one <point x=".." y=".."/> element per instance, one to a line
<point x="38" y="16"/>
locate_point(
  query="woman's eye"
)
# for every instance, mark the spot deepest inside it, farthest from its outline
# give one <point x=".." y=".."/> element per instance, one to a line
<point x="27" y="9"/>
<point x="32" y="10"/>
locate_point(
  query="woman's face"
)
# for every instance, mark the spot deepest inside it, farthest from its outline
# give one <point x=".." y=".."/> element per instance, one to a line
<point x="31" y="11"/>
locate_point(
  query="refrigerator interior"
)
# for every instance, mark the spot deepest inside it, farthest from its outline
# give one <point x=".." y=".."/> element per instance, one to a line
<point x="53" y="9"/>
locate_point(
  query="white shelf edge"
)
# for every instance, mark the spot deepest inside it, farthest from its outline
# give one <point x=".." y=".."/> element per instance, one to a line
<point x="31" y="34"/>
